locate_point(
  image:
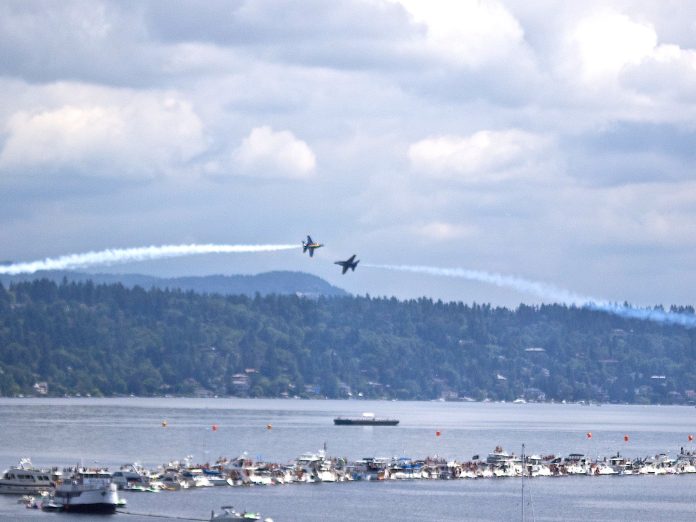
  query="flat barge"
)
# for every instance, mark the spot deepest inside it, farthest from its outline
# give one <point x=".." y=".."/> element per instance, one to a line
<point x="364" y="421"/>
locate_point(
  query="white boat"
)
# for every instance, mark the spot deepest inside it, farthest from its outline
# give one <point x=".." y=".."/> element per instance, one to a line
<point x="316" y="467"/>
<point x="504" y="464"/>
<point x="370" y="468"/>
<point x="404" y="469"/>
<point x="576" y="464"/>
<point x="621" y="465"/>
<point x="485" y="473"/>
<point x="131" y="475"/>
<point x="196" y="478"/>
<point x="602" y="468"/>
<point x="240" y="469"/>
<point x="173" y="482"/>
<point x="283" y="475"/>
<point x="220" y="481"/>
<point x="229" y="514"/>
<point x="499" y="457"/>
<point x="88" y="491"/>
<point x="468" y="474"/>
<point x="25" y="479"/>
<point x="536" y="467"/>
<point x="261" y="477"/>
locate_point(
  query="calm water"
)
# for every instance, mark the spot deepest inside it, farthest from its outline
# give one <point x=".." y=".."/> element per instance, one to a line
<point x="115" y="431"/>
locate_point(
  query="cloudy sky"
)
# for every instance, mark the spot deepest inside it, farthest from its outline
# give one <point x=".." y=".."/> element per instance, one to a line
<point x="553" y="141"/>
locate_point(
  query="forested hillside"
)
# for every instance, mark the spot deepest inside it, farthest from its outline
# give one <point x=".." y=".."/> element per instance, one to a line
<point x="277" y="282"/>
<point x="83" y="338"/>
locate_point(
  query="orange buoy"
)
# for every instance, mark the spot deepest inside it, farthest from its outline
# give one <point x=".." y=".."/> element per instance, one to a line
<point x="164" y="423"/>
<point x="589" y="434"/>
<point x="269" y="426"/>
<point x="625" y="438"/>
<point x="214" y="427"/>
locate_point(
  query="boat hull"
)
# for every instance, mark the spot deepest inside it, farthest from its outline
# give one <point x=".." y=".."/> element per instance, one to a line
<point x="23" y="489"/>
<point x="104" y="508"/>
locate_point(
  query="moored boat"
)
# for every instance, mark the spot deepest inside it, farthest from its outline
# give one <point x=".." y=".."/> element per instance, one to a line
<point x="25" y="479"/>
<point x="217" y="478"/>
<point x="131" y="476"/>
<point x="87" y="491"/>
<point x="196" y="478"/>
<point x="172" y="481"/>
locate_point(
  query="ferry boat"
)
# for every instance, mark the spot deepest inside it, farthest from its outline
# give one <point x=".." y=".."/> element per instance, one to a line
<point x="25" y="479"/>
<point x="87" y="491"/>
<point x="367" y="419"/>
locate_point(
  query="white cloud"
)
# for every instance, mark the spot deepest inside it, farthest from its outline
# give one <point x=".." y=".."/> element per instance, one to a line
<point x="669" y="70"/>
<point x="468" y="32"/>
<point x="632" y="222"/>
<point x="444" y="231"/>
<point x="608" y="41"/>
<point x="482" y="156"/>
<point x="103" y="132"/>
<point x="267" y="153"/>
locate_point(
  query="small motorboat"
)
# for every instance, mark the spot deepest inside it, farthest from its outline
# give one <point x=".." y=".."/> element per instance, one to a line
<point x="29" y="502"/>
<point x="52" y="507"/>
<point x="141" y="489"/>
<point x="229" y="514"/>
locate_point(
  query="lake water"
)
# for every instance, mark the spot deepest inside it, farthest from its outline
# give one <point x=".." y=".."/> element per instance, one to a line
<point x="112" y="432"/>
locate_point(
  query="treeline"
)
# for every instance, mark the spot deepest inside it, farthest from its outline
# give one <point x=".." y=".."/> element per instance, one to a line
<point x="82" y="338"/>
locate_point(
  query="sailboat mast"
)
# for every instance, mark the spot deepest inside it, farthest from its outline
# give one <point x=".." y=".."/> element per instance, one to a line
<point x="523" y="470"/>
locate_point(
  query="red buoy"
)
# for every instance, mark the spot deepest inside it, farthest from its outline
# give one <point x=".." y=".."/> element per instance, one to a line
<point x="589" y="434"/>
<point x="437" y="434"/>
<point x="691" y="438"/>
<point x="214" y="427"/>
<point x="625" y="438"/>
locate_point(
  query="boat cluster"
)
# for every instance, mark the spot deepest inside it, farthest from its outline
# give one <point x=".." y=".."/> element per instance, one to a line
<point x="319" y="467"/>
<point x="82" y="489"/>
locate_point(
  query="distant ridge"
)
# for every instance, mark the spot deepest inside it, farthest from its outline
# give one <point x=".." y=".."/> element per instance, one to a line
<point x="276" y="282"/>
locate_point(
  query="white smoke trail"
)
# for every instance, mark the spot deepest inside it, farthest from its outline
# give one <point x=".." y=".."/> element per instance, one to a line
<point x="550" y="292"/>
<point x="123" y="255"/>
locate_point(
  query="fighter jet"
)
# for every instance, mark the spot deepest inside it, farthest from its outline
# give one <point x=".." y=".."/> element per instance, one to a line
<point x="349" y="263"/>
<point x="311" y="246"/>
